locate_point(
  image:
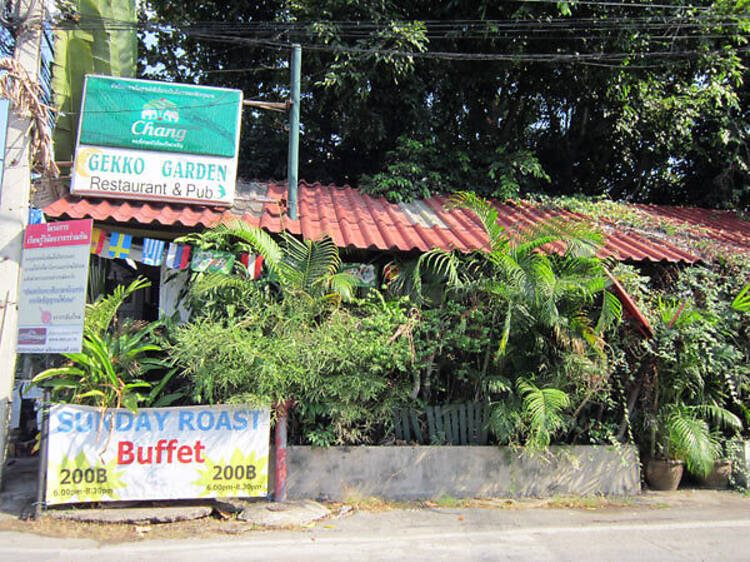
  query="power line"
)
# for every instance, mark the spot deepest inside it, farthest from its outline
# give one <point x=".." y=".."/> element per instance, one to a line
<point x="83" y="21"/>
<point x="435" y="26"/>
<point x="461" y="30"/>
<point x="446" y="55"/>
<point x="600" y="32"/>
<point x="614" y="4"/>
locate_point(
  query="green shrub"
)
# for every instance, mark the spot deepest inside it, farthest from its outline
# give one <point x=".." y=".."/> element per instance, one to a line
<point x="346" y="370"/>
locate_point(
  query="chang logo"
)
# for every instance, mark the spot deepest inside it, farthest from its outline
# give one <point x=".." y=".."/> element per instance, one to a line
<point x="160" y="110"/>
<point x="155" y="124"/>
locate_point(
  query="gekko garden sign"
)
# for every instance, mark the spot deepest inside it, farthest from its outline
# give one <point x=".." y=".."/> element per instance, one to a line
<point x="156" y="453"/>
<point x="139" y="139"/>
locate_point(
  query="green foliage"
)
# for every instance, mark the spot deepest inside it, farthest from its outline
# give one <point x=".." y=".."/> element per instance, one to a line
<point x="689" y="439"/>
<point x="512" y="318"/>
<point x="695" y="369"/>
<point x="410" y="173"/>
<point x="300" y="268"/>
<point x="107" y="372"/>
<point x="635" y="102"/>
<point x="101" y="314"/>
<point x="417" y="169"/>
<point x="288" y="338"/>
<point x="741" y="302"/>
<point x="346" y="370"/>
<point x="542" y="407"/>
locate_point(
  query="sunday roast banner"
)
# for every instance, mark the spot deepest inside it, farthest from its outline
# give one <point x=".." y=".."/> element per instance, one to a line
<point x="157" y="453"/>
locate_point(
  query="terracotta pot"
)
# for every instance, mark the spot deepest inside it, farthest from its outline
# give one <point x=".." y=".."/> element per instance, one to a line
<point x="719" y="477"/>
<point x="664" y="474"/>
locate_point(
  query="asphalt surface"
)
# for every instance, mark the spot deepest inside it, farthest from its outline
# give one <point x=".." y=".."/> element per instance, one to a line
<point x="687" y="525"/>
<point x="683" y="525"/>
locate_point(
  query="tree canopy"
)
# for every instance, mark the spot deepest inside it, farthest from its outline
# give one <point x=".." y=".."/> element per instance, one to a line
<point x="633" y="100"/>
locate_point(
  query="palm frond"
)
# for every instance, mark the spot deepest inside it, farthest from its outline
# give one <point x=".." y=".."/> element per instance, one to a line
<point x="436" y="263"/>
<point x="343" y="284"/>
<point x="543" y="408"/>
<point x="532" y="240"/>
<point x="257" y="239"/>
<point x="97" y="280"/>
<point x="204" y="283"/>
<point x="611" y="312"/>
<point x="578" y="237"/>
<point x="99" y="316"/>
<point x="720" y="417"/>
<point x="505" y="420"/>
<point x="690" y="439"/>
<point x="487" y="214"/>
<point x="741" y="302"/>
<point x="505" y="336"/>
<point x="541" y="279"/>
<point x="306" y="262"/>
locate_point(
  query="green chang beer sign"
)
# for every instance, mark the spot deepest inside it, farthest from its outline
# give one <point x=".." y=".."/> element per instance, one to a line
<point x="160" y="116"/>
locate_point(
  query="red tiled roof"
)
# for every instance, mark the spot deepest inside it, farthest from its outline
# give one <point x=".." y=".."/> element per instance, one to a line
<point x="354" y="219"/>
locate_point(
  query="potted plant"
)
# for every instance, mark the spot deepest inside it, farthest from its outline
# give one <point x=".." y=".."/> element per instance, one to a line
<point x="687" y="409"/>
<point x="683" y="439"/>
<point x="720" y="474"/>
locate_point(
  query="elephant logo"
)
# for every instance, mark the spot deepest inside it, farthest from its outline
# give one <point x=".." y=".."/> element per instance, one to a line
<point x="160" y="109"/>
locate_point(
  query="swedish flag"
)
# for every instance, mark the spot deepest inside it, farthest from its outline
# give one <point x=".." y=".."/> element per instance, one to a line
<point x="119" y="245"/>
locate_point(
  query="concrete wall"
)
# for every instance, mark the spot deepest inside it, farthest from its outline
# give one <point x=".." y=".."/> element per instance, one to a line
<point x="431" y="472"/>
<point x="739" y="452"/>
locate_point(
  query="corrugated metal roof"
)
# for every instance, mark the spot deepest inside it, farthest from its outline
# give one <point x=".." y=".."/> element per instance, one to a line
<point x="354" y="219"/>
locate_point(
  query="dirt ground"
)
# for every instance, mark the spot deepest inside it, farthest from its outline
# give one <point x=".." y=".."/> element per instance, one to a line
<point x="218" y="524"/>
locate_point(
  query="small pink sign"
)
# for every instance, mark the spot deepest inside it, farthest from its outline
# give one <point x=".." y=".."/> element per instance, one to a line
<point x="57" y="234"/>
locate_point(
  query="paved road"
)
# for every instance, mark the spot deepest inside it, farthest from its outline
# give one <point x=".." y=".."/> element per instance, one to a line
<point x="707" y="527"/>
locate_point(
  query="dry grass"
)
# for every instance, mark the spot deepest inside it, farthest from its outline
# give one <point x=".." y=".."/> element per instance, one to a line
<point x="223" y="524"/>
<point x="108" y="533"/>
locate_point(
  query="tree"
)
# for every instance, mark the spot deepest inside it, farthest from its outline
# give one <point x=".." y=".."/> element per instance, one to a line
<point x="409" y="98"/>
<point x="547" y="345"/>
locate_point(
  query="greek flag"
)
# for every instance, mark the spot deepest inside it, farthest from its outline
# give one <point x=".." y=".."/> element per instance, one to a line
<point x="153" y="251"/>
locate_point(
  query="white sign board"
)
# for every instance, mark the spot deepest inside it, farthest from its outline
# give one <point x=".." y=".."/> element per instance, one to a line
<point x="157" y="453"/>
<point x="159" y="176"/>
<point x="52" y="295"/>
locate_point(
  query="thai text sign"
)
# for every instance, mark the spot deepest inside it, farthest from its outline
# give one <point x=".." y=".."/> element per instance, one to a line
<point x="52" y="293"/>
<point x="146" y="115"/>
<point x="140" y="139"/>
<point x="157" y="453"/>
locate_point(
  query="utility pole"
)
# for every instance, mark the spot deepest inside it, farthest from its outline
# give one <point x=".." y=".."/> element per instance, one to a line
<point x="14" y="208"/>
<point x="282" y="408"/>
<point x="293" y="156"/>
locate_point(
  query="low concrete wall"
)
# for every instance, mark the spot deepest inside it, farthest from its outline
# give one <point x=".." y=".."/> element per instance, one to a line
<point x="431" y="472"/>
<point x="739" y="452"/>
